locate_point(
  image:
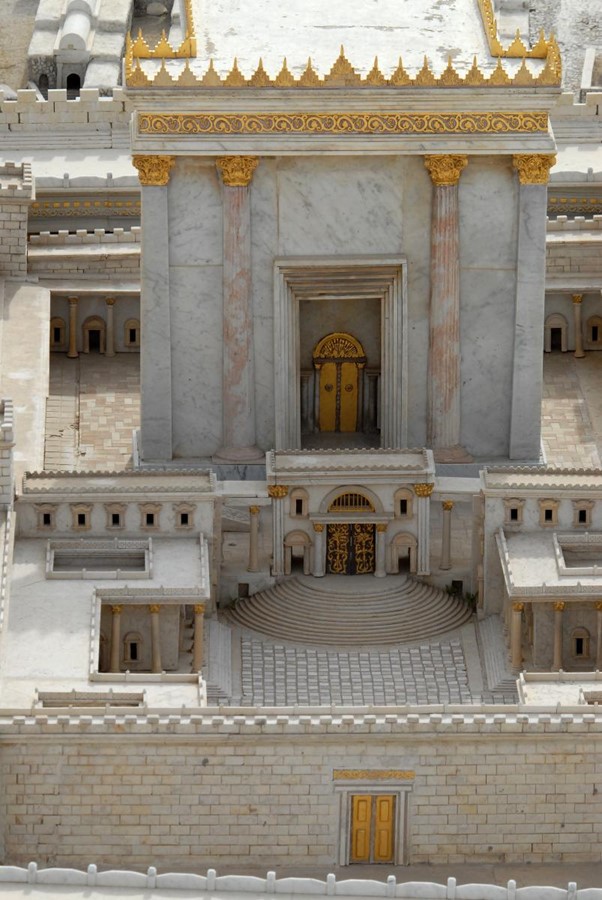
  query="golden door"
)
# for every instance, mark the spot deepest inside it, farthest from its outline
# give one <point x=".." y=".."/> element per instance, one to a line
<point x="338" y="396"/>
<point x="372" y="828"/>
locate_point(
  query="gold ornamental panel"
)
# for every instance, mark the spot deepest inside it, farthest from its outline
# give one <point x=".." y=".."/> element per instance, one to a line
<point x="363" y="548"/>
<point x="337" y="551"/>
<point x="373" y="774"/>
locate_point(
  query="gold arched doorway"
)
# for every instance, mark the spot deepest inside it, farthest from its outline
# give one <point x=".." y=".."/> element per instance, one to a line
<point x="338" y="359"/>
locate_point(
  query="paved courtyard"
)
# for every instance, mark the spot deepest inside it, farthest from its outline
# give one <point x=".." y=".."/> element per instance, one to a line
<point x="571" y="414"/>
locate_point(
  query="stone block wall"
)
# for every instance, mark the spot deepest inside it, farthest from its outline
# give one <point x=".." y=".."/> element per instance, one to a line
<point x="16" y="192"/>
<point x="191" y="790"/>
<point x="7" y="442"/>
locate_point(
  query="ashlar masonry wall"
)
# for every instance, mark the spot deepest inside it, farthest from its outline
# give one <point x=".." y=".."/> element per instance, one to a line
<point x="136" y="789"/>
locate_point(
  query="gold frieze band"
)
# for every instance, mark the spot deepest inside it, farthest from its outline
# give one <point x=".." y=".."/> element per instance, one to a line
<point x="372" y="775"/>
<point x="343" y="123"/>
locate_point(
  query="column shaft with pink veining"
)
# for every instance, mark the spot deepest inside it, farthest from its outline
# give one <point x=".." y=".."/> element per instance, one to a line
<point x="444" y="321"/>
<point x="238" y="401"/>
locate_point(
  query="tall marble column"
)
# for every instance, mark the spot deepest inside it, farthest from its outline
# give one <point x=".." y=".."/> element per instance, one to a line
<point x="72" y="351"/>
<point x="380" y="568"/>
<point x="423" y="493"/>
<point x="155" y="610"/>
<point x="319" y="561"/>
<point x="444" y="315"/>
<point x="253" y="538"/>
<point x="516" y="632"/>
<point x="599" y="636"/>
<point x="527" y="374"/>
<point x="446" y="507"/>
<point x="197" y="640"/>
<point x="110" y="343"/>
<point x="116" y="611"/>
<point x="277" y="492"/>
<point x="578" y="322"/>
<point x="238" y="390"/>
<point x="155" y="346"/>
<point x="558" y="611"/>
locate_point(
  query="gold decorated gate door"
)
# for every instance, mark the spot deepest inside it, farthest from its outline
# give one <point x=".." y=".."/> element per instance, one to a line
<point x="350" y="549"/>
<point x="338" y="360"/>
<point x="372" y="828"/>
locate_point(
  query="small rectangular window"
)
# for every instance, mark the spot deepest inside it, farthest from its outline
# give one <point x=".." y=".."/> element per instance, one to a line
<point x="133" y="651"/>
<point x="116" y="519"/>
<point x="299" y="506"/>
<point x="150" y="519"/>
<point x="548" y="515"/>
<point x="183" y="518"/>
<point x="133" y="335"/>
<point x="513" y="514"/>
<point x="594" y="333"/>
<point x="579" y="646"/>
<point x="57" y="335"/>
<point x="46" y="519"/>
<point x="403" y="507"/>
<point x="81" y="519"/>
<point x="582" y="517"/>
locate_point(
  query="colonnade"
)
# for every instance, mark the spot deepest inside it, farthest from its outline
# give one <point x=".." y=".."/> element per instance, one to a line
<point x="72" y="352"/>
<point x="559" y="608"/>
<point x="154" y="611"/>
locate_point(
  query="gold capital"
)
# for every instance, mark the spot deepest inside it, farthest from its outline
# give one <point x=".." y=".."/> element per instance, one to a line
<point x="533" y="168"/>
<point x="448" y="505"/>
<point x="518" y="607"/>
<point x="237" y="171"/>
<point x="424" y="490"/>
<point x="254" y="510"/>
<point x="558" y="607"/>
<point x="319" y="527"/>
<point x="199" y="609"/>
<point x="277" y="491"/>
<point x="445" y="170"/>
<point x="382" y="527"/>
<point x="577" y="298"/>
<point x="599" y="607"/>
<point x="73" y="301"/>
<point x="154" y="608"/>
<point x="153" y="171"/>
<point x="110" y="301"/>
<point x="117" y="610"/>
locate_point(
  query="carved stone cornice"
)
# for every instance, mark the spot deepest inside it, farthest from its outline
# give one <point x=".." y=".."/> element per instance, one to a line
<point x="153" y="171"/>
<point x="445" y="171"/>
<point x="424" y="490"/>
<point x="533" y="168"/>
<point x="277" y="491"/>
<point x="237" y="171"/>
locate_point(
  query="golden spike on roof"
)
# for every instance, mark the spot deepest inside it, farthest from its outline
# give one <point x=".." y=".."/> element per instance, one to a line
<point x="137" y="78"/>
<point x="499" y="76"/>
<point x="342" y="71"/>
<point x="517" y="47"/>
<point x="235" y="78"/>
<point x="310" y="77"/>
<point x="375" y="76"/>
<point x="284" y="78"/>
<point x="210" y="78"/>
<point x="449" y="77"/>
<point x="523" y="77"/>
<point x="187" y="77"/>
<point x="400" y="77"/>
<point x="260" y="77"/>
<point x="163" y="77"/>
<point x="425" y="77"/>
<point x="140" y="48"/>
<point x="474" y="77"/>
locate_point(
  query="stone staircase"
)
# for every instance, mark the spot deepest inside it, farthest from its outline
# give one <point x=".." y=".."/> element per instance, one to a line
<point x="500" y="680"/>
<point x="357" y="611"/>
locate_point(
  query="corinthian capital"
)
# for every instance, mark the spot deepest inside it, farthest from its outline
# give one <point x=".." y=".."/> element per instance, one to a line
<point x="445" y="170"/>
<point x="237" y="171"/>
<point x="533" y="168"/>
<point x="153" y="171"/>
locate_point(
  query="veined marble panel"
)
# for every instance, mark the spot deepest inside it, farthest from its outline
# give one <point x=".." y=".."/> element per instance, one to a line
<point x="488" y="196"/>
<point x="196" y="333"/>
<point x="195" y="214"/>
<point x="346" y="206"/>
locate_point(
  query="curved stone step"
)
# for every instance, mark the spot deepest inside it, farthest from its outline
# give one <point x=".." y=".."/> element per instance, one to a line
<point x="349" y="611"/>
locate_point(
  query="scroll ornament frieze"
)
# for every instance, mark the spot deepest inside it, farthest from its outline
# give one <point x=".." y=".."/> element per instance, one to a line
<point x="445" y="170"/>
<point x="393" y="123"/>
<point x="153" y="171"/>
<point x="533" y="168"/>
<point x="237" y="171"/>
<point x="373" y="775"/>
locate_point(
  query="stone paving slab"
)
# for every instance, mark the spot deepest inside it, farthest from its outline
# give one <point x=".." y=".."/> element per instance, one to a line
<point x="570" y="403"/>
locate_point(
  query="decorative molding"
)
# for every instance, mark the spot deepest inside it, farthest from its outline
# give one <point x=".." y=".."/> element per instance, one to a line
<point x="237" y="171"/>
<point x="533" y="168"/>
<point x="373" y="774"/>
<point x="445" y="171"/>
<point x="342" y="72"/>
<point x="139" y="48"/>
<point x="542" y="49"/>
<point x="277" y="491"/>
<point x="424" y="490"/>
<point x="190" y="124"/>
<point x="153" y="171"/>
<point x="52" y="209"/>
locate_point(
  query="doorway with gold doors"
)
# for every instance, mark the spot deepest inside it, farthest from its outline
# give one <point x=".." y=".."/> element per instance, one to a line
<point x="350" y="548"/>
<point x="372" y="837"/>
<point x="339" y="361"/>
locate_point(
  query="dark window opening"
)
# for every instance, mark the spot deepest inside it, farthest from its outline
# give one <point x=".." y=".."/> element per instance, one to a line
<point x="57" y="336"/>
<point x="583" y="517"/>
<point x="457" y="587"/>
<point x="548" y="515"/>
<point x="133" y="335"/>
<point x="81" y="518"/>
<point x="150" y="518"/>
<point x="133" y="651"/>
<point x="513" y="514"/>
<point x="183" y="518"/>
<point x="556" y="338"/>
<point x="43" y="86"/>
<point x="73" y="86"/>
<point x="116" y="519"/>
<point x="594" y="334"/>
<point x="46" y="519"/>
<point x="579" y="646"/>
<point x="403" y="507"/>
<point x="299" y="506"/>
<point x="94" y="340"/>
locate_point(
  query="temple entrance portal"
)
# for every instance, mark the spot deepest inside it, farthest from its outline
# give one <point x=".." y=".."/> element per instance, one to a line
<point x="350" y="548"/>
<point x="339" y="359"/>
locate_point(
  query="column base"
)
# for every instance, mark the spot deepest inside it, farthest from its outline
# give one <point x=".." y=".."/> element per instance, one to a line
<point x="239" y="455"/>
<point x="579" y="355"/>
<point x="72" y="355"/>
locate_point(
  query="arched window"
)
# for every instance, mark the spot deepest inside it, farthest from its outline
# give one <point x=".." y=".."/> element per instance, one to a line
<point x="556" y="333"/>
<point x="132" y="648"/>
<point x="403" y="501"/>
<point x="594" y="332"/>
<point x="299" y="502"/>
<point x="351" y="502"/>
<point x="131" y="333"/>
<point x="73" y="85"/>
<point x="43" y="85"/>
<point x="58" y="333"/>
<point x="580" y="643"/>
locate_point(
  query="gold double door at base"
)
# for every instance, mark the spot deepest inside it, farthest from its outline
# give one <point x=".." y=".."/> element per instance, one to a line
<point x="372" y="828"/>
<point x="338" y="396"/>
<point x="350" y="549"/>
